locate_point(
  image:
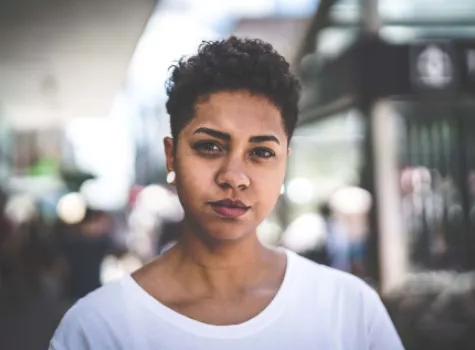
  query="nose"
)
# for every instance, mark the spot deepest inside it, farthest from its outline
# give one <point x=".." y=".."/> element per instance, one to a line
<point x="233" y="176"/>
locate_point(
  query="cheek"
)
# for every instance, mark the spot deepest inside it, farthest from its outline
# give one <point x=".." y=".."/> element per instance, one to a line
<point x="194" y="177"/>
<point x="267" y="185"/>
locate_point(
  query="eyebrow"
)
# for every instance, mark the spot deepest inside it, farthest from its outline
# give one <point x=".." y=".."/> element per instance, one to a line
<point x="215" y="133"/>
<point x="227" y="137"/>
<point x="263" y="138"/>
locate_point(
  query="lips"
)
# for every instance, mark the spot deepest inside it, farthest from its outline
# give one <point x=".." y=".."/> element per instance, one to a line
<point x="229" y="208"/>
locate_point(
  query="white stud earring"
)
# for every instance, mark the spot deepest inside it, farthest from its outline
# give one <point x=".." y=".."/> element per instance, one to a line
<point x="171" y="177"/>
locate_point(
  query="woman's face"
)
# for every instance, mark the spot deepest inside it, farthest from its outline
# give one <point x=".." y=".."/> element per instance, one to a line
<point x="230" y="163"/>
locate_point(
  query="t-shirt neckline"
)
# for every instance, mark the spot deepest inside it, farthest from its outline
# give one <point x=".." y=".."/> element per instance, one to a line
<point x="271" y="312"/>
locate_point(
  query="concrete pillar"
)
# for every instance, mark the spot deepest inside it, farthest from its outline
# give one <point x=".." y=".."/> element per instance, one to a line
<point x="393" y="252"/>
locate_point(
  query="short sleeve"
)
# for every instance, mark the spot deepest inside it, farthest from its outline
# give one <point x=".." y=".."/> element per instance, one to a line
<point x="381" y="332"/>
<point x="70" y="334"/>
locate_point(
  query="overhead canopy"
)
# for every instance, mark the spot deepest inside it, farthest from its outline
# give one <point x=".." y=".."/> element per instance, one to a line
<point x="342" y="67"/>
<point x="64" y="59"/>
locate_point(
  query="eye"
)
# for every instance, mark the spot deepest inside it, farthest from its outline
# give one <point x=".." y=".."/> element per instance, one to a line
<point x="207" y="147"/>
<point x="262" y="153"/>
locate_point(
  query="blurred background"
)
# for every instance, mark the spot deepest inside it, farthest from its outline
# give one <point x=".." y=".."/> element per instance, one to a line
<point x="381" y="182"/>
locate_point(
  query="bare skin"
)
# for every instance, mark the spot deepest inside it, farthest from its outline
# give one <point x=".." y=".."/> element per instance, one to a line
<point x="219" y="273"/>
<point x="213" y="295"/>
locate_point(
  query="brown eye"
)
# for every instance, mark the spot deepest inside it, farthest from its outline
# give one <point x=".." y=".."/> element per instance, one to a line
<point x="262" y="153"/>
<point x="207" y="147"/>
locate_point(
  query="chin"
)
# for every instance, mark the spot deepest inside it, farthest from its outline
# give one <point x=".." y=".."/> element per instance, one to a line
<point x="227" y="233"/>
<point x="211" y="228"/>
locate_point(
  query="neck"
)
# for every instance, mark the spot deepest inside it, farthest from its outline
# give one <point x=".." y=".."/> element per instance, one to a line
<point x="221" y="268"/>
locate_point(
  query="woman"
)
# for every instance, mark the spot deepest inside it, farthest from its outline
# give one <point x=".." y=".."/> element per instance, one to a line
<point x="233" y="108"/>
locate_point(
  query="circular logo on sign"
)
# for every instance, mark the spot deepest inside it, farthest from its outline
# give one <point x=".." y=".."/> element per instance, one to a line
<point x="434" y="67"/>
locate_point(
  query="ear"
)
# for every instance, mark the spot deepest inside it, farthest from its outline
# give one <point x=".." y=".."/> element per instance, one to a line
<point x="169" y="152"/>
<point x="289" y="151"/>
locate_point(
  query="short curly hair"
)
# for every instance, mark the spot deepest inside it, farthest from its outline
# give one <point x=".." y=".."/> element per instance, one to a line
<point x="233" y="64"/>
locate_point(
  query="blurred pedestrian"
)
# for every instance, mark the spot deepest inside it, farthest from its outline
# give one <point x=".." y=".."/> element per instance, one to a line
<point x="85" y="246"/>
<point x="435" y="310"/>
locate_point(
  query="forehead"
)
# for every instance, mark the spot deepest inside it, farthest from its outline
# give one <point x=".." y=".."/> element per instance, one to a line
<point x="238" y="113"/>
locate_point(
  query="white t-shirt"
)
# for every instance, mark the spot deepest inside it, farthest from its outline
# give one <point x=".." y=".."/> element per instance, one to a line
<point x="316" y="308"/>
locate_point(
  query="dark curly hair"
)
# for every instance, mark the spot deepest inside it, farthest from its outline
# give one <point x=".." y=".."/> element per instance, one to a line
<point x="233" y="64"/>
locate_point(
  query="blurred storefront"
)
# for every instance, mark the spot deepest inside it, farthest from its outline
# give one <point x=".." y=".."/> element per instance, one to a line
<point x="396" y="82"/>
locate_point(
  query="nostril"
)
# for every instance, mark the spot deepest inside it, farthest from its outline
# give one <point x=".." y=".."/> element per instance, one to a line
<point x="243" y="187"/>
<point x="225" y="185"/>
<point x="232" y="179"/>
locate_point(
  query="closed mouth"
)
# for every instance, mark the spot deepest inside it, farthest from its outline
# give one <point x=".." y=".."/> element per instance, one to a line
<point x="229" y="203"/>
<point x="229" y="209"/>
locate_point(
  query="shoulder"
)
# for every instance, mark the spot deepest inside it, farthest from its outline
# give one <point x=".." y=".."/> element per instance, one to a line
<point x="333" y="284"/>
<point x="104" y="299"/>
<point x="85" y="321"/>
<point x="349" y="300"/>
<point x="322" y="273"/>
